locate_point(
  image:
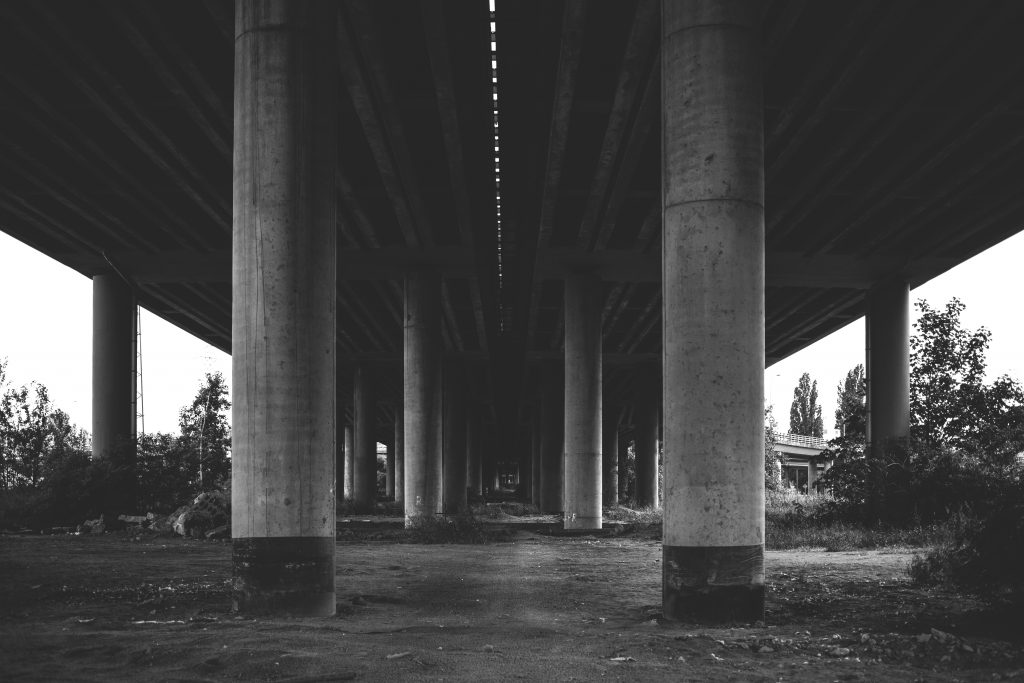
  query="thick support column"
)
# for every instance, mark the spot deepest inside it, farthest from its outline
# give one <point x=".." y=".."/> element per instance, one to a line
<point x="422" y="370"/>
<point x="399" y="454"/>
<point x="552" y="428"/>
<point x="887" y="368"/>
<point x="455" y="429"/>
<point x="535" y="433"/>
<point x="113" y="383"/>
<point x="364" y="442"/>
<point x="713" y="280"/>
<point x="350" y="459"/>
<point x="610" y="444"/>
<point x="583" y="306"/>
<point x="389" y="472"/>
<point x="647" y="420"/>
<point x="283" y="307"/>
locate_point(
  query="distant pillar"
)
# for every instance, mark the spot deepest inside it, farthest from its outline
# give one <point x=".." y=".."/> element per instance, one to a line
<point x="283" y="307"/>
<point x="610" y="444"/>
<point x="535" y="434"/>
<point x="887" y="375"/>
<point x="342" y="394"/>
<point x="389" y="472"/>
<point x="623" y="449"/>
<point x="454" y="440"/>
<point x="713" y="289"/>
<point x="350" y="459"/>
<point x="423" y="398"/>
<point x="364" y="442"/>
<point x="647" y="418"/>
<point x="583" y="460"/>
<point x="113" y="383"/>
<point x="399" y="454"/>
<point x="551" y="443"/>
<point x="474" y="453"/>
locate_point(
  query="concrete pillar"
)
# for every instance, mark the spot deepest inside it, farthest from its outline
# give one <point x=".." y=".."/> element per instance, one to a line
<point x="552" y="428"/>
<point x="610" y="445"/>
<point x="713" y="291"/>
<point x="474" y="453"/>
<point x="349" y="462"/>
<point x="454" y="440"/>
<point x="283" y="307"/>
<point x="364" y="442"/>
<point x="535" y="433"/>
<point x="113" y="385"/>
<point x="887" y="366"/>
<point x="584" y="302"/>
<point x="389" y="472"/>
<point x="399" y="455"/>
<point x="623" y="449"/>
<point x="422" y="378"/>
<point x="646" y="419"/>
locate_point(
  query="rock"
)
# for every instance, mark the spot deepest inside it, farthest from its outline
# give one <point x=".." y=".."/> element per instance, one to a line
<point x="132" y="519"/>
<point x="209" y="510"/>
<point x="764" y="650"/>
<point x="839" y="652"/>
<point x="223" y="531"/>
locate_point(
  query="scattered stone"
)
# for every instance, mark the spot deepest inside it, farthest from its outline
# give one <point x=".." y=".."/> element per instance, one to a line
<point x="839" y="652"/>
<point x="223" y="531"/>
<point x="209" y="510"/>
<point x="622" y="659"/>
<point x="488" y="648"/>
<point x="133" y="519"/>
<point x="764" y="650"/>
<point x="398" y="655"/>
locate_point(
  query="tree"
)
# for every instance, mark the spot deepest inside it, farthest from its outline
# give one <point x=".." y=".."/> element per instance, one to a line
<point x="851" y="412"/>
<point x="950" y="405"/>
<point x="205" y="439"/>
<point x="805" y="413"/>
<point x="772" y="477"/>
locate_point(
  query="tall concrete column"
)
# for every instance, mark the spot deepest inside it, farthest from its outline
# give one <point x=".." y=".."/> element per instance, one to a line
<point x="647" y="418"/>
<point x="283" y="307"/>
<point x="399" y="454"/>
<point x="423" y="399"/>
<point x="713" y="291"/>
<point x="623" y="448"/>
<point x="474" y="453"/>
<point x="350" y="460"/>
<point x="552" y="429"/>
<point x="454" y="441"/>
<point x="610" y="444"/>
<point x="364" y="442"/>
<point x="389" y="472"/>
<point x="584" y="302"/>
<point x="113" y="384"/>
<point x="887" y="366"/>
<point x="535" y="434"/>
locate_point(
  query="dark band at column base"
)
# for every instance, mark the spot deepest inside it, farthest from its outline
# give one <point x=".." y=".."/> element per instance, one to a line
<point x="284" y="576"/>
<point x="711" y="585"/>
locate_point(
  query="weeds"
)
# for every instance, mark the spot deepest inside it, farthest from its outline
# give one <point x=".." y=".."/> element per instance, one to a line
<point x="462" y="529"/>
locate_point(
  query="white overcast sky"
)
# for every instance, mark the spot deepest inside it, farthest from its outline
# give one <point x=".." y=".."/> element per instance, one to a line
<point x="46" y="336"/>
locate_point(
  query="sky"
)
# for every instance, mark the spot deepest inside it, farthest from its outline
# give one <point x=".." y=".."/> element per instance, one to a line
<point x="46" y="336"/>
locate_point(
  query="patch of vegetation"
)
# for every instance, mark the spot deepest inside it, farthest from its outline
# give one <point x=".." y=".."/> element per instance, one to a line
<point x="505" y="510"/>
<point x="462" y="529"/>
<point x="645" y="516"/>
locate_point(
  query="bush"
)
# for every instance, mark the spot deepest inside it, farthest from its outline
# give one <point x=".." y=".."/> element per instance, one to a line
<point x="460" y="529"/>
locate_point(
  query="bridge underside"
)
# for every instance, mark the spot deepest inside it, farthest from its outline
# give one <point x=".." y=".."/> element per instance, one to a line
<point x="891" y="146"/>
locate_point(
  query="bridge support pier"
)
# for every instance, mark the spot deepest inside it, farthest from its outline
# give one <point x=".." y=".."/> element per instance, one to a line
<point x="350" y="454"/>
<point x="283" y="308"/>
<point x="474" y="453"/>
<point x="713" y="265"/>
<point x="647" y="420"/>
<point x="423" y="396"/>
<point x="113" y="384"/>
<point x="610" y="456"/>
<point x="887" y="364"/>
<point x="456" y="426"/>
<point x="399" y="454"/>
<point x="364" y="459"/>
<point x="389" y="472"/>
<point x="551" y="439"/>
<point x="583" y="307"/>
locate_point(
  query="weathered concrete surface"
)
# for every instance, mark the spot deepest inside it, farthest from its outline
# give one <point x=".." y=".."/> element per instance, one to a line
<point x="887" y="332"/>
<point x="584" y="300"/>
<point x="423" y="395"/>
<point x="349" y="461"/>
<point x="364" y="442"/>
<point x="713" y="265"/>
<point x="552" y="428"/>
<point x="399" y="454"/>
<point x="283" y="307"/>
<point x="113" y="388"/>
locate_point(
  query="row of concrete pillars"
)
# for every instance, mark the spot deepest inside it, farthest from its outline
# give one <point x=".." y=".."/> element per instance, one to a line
<point x="284" y="326"/>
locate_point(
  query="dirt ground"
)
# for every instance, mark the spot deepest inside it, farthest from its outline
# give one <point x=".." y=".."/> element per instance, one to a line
<point x="123" y="607"/>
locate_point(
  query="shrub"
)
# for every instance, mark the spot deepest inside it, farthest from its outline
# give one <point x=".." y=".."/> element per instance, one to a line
<point x="461" y="529"/>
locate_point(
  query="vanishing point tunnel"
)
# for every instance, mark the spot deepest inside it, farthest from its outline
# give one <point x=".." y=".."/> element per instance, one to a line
<point x="505" y="239"/>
